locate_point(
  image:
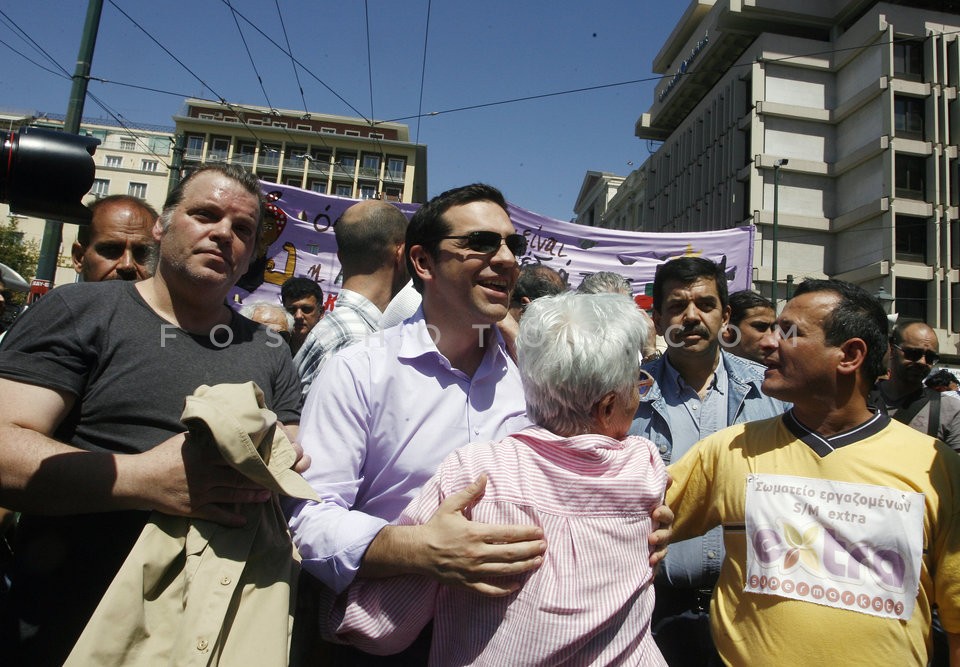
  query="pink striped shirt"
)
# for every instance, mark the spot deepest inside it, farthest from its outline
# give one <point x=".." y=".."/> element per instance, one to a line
<point x="590" y="602"/>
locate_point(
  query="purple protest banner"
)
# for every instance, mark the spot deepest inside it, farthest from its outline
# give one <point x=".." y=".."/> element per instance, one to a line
<point x="303" y="245"/>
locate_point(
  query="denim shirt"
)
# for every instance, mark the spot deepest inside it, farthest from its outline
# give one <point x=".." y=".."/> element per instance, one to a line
<point x="673" y="416"/>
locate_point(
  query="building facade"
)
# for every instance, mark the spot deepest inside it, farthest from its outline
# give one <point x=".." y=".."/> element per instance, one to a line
<point x="336" y="155"/>
<point x="829" y="125"/>
<point x="131" y="159"/>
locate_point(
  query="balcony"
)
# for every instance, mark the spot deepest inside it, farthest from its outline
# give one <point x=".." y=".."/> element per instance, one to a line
<point x="270" y="160"/>
<point x="216" y="156"/>
<point x="369" y="172"/>
<point x="244" y="159"/>
<point x="193" y="153"/>
<point x="294" y="164"/>
<point x="394" y="176"/>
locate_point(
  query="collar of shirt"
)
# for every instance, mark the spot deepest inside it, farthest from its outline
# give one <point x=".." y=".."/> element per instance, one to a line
<point x="675" y="384"/>
<point x="360" y="304"/>
<point x="418" y="341"/>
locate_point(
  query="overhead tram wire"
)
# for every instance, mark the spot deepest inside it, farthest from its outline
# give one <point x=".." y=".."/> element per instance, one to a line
<point x="34" y="62"/>
<point x="219" y="97"/>
<point x="305" y="68"/>
<point x="293" y="62"/>
<point x="246" y="47"/>
<point x="423" y="69"/>
<point x="24" y="36"/>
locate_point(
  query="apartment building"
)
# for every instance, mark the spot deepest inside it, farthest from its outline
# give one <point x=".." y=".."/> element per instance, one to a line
<point x="131" y="159"/>
<point x="336" y="155"/>
<point x="829" y="125"/>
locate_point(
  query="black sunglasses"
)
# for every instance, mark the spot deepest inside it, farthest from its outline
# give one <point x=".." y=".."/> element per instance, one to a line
<point x="916" y="353"/>
<point x="489" y="242"/>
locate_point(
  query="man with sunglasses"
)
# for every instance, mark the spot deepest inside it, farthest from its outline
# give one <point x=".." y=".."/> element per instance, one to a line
<point x="385" y="412"/>
<point x="914" y="351"/>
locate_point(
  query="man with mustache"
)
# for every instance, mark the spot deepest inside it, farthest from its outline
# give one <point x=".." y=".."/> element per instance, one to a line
<point x="697" y="390"/>
<point x="119" y="243"/>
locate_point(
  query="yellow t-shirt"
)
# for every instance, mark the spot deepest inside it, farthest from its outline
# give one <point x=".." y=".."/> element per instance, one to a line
<point x="709" y="489"/>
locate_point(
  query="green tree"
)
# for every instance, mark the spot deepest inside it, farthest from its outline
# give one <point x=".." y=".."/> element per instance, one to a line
<point x="16" y="252"/>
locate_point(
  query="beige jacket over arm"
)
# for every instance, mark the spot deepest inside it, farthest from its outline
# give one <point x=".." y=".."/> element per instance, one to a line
<point x="193" y="592"/>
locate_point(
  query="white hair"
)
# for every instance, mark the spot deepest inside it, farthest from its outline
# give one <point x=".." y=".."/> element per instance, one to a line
<point x="573" y="349"/>
<point x="250" y="309"/>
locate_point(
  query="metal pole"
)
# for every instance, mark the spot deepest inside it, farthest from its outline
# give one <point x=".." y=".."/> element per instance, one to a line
<point x="53" y="231"/>
<point x="776" y="213"/>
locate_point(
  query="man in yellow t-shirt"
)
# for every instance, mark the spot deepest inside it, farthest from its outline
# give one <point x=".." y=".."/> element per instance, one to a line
<point x="841" y="527"/>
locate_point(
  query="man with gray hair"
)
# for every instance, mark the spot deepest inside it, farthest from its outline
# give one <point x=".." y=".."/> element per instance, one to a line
<point x="370" y="242"/>
<point x="93" y="379"/>
<point x="603" y="282"/>
<point x="577" y="474"/>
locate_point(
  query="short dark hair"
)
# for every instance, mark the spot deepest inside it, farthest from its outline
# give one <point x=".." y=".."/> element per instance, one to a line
<point x="84" y="231"/>
<point x="298" y="287"/>
<point x="366" y="243"/>
<point x="603" y="282"/>
<point x="858" y="314"/>
<point x="246" y="179"/>
<point x="744" y="300"/>
<point x="686" y="270"/>
<point x="427" y="224"/>
<point x="898" y="329"/>
<point x="941" y="378"/>
<point x="537" y="280"/>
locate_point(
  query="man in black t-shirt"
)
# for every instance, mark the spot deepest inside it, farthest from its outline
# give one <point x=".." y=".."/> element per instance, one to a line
<point x="93" y="380"/>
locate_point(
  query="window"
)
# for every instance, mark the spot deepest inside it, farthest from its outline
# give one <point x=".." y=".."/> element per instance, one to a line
<point x="205" y="116"/>
<point x="908" y="59"/>
<point x="911" y="238"/>
<point x="352" y="133"/>
<point x="137" y="190"/>
<point x="114" y="161"/>
<point x="370" y="166"/>
<point x="195" y="145"/>
<point x="128" y="144"/>
<point x="911" y="177"/>
<point x="911" y="302"/>
<point x="908" y="113"/>
<point x="292" y="180"/>
<point x="342" y="190"/>
<point x="368" y="192"/>
<point x="301" y="126"/>
<point x="318" y="186"/>
<point x="395" y="167"/>
<point x="392" y="194"/>
<point x="254" y="121"/>
<point x="219" y="148"/>
<point x="347" y="163"/>
<point x="149" y="165"/>
<point x="328" y="130"/>
<point x="375" y="135"/>
<point x="231" y="119"/>
<point x="279" y="123"/>
<point x="101" y="187"/>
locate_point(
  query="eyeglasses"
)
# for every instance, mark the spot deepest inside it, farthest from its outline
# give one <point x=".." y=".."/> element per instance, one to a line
<point x="489" y="242"/>
<point x="306" y="310"/>
<point x="916" y="353"/>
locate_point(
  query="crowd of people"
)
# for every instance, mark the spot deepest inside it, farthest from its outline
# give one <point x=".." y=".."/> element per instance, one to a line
<point x="485" y="482"/>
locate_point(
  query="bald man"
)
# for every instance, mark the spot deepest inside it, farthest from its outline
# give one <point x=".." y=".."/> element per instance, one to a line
<point x="914" y="350"/>
<point x="370" y="242"/>
<point x="118" y="244"/>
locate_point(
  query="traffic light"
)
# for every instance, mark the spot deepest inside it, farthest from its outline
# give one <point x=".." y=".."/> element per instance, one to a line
<point x="45" y="173"/>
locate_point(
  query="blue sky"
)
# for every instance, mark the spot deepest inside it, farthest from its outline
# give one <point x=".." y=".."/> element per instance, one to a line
<point x="478" y="53"/>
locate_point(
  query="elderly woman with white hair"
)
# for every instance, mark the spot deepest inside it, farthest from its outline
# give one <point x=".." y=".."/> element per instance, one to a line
<point x="578" y="475"/>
